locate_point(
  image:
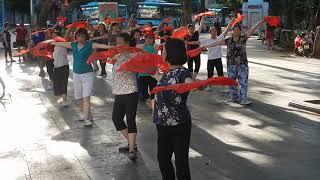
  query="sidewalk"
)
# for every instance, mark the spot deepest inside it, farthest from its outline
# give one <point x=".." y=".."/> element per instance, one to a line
<point x="265" y="141"/>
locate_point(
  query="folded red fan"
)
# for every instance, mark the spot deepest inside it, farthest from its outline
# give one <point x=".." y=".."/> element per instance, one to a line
<point x="105" y="55"/>
<point x="194" y="52"/>
<point x="59" y="39"/>
<point x="239" y="18"/>
<point x="114" y="20"/>
<point x="180" y="33"/>
<point x="186" y="87"/>
<point x="61" y="19"/>
<point x="273" y="21"/>
<point x="168" y="29"/>
<point x="145" y="63"/>
<point x="102" y="55"/>
<point x="22" y="52"/>
<point x="209" y="13"/>
<point x="36" y="32"/>
<point x="77" y="25"/>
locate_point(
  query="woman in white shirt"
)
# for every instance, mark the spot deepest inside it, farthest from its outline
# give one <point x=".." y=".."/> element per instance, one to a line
<point x="214" y="53"/>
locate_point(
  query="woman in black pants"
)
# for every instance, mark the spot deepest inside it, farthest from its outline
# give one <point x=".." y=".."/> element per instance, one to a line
<point x="125" y="89"/>
<point x="194" y="36"/>
<point x="172" y="116"/>
<point x="6" y="42"/>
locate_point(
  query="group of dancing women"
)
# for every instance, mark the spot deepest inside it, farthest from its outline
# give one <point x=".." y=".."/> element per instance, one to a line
<point x="170" y="113"/>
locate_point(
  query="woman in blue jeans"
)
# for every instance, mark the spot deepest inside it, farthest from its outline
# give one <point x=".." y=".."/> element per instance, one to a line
<point x="237" y="61"/>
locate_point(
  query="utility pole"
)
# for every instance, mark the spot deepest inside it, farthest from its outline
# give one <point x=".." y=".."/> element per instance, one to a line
<point x="31" y="13"/>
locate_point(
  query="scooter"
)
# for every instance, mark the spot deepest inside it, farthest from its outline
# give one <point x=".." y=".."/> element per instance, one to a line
<point x="306" y="48"/>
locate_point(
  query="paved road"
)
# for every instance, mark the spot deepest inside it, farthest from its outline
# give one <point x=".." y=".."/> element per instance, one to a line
<point x="266" y="141"/>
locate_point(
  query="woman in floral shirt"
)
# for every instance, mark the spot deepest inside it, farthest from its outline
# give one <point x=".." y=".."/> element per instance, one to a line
<point x="237" y="61"/>
<point x="172" y="116"/>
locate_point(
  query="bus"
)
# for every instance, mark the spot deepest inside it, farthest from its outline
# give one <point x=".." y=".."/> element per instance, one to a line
<point x="92" y="11"/>
<point x="155" y="11"/>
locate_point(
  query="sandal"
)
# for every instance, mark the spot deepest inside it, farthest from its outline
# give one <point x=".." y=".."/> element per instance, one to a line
<point x="132" y="155"/>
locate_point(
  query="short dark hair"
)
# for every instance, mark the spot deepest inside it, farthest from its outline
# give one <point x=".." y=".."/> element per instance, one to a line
<point x="125" y="36"/>
<point x="164" y="24"/>
<point x="176" y="51"/>
<point x="190" y="25"/>
<point x="82" y="31"/>
<point x="132" y="40"/>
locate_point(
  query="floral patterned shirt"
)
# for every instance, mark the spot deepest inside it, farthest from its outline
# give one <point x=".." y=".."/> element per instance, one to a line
<point x="170" y="108"/>
<point x="236" y="51"/>
<point x="124" y="82"/>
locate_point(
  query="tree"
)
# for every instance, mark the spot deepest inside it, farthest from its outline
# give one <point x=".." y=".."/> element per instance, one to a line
<point x="45" y="11"/>
<point x="186" y="18"/>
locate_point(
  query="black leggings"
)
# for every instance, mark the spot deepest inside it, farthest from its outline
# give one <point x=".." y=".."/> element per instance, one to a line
<point x="197" y="63"/>
<point x="7" y="50"/>
<point x="60" y="80"/>
<point x="174" y="139"/>
<point x="50" y="67"/>
<point x="215" y="63"/>
<point x="147" y="84"/>
<point x="103" y="67"/>
<point x="125" y="105"/>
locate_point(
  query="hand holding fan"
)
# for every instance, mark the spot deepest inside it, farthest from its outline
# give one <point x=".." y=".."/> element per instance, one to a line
<point x="185" y="87"/>
<point x="180" y="33"/>
<point x="145" y="63"/>
<point x="209" y="13"/>
<point x="239" y="18"/>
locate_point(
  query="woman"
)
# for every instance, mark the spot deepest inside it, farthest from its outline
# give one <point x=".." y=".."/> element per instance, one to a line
<point x="6" y="42"/>
<point x="237" y="62"/>
<point x="214" y="53"/>
<point x="270" y="37"/>
<point x="172" y="116"/>
<point x="60" y="72"/>
<point x="83" y="76"/>
<point x="147" y="82"/>
<point x="124" y="87"/>
<point x="194" y="36"/>
<point x="37" y="37"/>
<point x="101" y="37"/>
<point x="21" y="34"/>
<point x="112" y="34"/>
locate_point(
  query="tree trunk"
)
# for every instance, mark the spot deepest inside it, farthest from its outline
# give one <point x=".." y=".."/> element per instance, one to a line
<point x="316" y="47"/>
<point x="45" y="11"/>
<point x="202" y="5"/>
<point x="186" y="18"/>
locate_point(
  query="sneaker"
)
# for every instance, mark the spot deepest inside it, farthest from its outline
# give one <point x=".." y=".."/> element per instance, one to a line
<point x="245" y="102"/>
<point x="7" y="61"/>
<point x="133" y="155"/>
<point x="12" y="61"/>
<point x="103" y="75"/>
<point x="87" y="123"/>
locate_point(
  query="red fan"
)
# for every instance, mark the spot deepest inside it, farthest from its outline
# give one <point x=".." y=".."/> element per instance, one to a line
<point x="185" y="87"/>
<point x="61" y="19"/>
<point x="239" y="18"/>
<point x="145" y="63"/>
<point x="273" y="21"/>
<point x="36" y="32"/>
<point x="59" y="39"/>
<point x="22" y="52"/>
<point x="103" y="56"/>
<point x="43" y="53"/>
<point x="77" y="25"/>
<point x="168" y="29"/>
<point x="209" y="13"/>
<point x="112" y="20"/>
<point x="194" y="52"/>
<point x="180" y="33"/>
